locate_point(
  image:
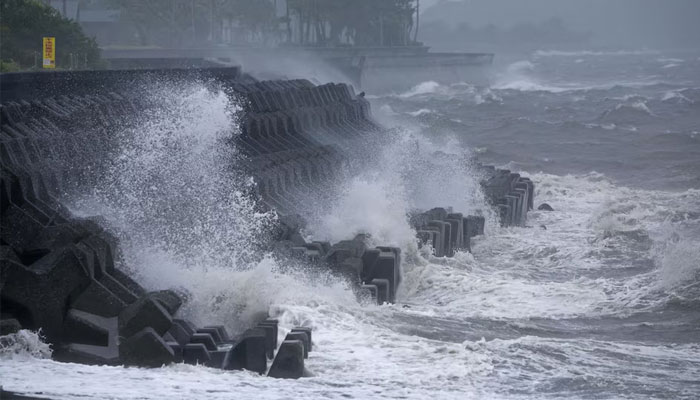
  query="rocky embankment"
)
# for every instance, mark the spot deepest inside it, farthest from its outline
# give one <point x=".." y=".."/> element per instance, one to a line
<point x="62" y="274"/>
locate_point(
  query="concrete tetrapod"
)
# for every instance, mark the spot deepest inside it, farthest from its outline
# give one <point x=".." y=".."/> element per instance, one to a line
<point x="289" y="362"/>
<point x="58" y="271"/>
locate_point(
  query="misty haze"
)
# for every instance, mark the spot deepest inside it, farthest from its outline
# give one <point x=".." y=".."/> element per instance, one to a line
<point x="363" y="199"/>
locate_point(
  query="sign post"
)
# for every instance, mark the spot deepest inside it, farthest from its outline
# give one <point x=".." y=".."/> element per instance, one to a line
<point x="49" y="52"/>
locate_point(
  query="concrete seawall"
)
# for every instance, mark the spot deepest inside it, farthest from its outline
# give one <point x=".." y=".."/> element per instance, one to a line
<point x="61" y="273"/>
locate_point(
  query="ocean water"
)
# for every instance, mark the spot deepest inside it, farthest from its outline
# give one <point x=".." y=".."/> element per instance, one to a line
<point x="598" y="299"/>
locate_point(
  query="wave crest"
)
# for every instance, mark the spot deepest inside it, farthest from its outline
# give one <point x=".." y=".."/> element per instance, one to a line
<point x="630" y="112"/>
<point x="24" y="344"/>
<point x="583" y="53"/>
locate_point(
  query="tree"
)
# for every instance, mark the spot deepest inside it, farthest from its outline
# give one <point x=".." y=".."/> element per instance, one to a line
<point x="177" y="23"/>
<point x="360" y="22"/>
<point x="23" y="24"/>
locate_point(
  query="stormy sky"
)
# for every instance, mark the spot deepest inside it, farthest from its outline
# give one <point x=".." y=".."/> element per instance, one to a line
<point x="611" y="23"/>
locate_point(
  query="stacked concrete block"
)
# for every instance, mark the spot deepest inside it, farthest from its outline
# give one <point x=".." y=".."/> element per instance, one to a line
<point x="377" y="271"/>
<point x="511" y="194"/>
<point x="61" y="274"/>
<point x="255" y="350"/>
<point x="296" y="131"/>
<point x="446" y="231"/>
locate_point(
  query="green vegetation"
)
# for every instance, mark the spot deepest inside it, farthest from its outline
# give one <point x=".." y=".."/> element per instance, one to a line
<point x="23" y="24"/>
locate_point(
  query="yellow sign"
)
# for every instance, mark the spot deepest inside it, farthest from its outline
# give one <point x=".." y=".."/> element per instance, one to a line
<point x="49" y="52"/>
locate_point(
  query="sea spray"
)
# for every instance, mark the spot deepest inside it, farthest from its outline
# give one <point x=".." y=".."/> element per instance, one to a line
<point x="532" y="313"/>
<point x="185" y="212"/>
<point x="397" y="174"/>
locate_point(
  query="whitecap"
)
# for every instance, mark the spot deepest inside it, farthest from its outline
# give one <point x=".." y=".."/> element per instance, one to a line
<point x="422" y="88"/>
<point x="551" y="53"/>
<point x="420" y="112"/>
<point x="676" y="95"/>
<point x="666" y="60"/>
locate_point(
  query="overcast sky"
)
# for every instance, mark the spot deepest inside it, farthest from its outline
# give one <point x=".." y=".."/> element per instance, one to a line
<point x="612" y="22"/>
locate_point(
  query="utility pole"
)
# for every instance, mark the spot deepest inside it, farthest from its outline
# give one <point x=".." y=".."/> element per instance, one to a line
<point x="289" y="23"/>
<point x="415" y="35"/>
<point x="194" y="33"/>
<point x="211" y="21"/>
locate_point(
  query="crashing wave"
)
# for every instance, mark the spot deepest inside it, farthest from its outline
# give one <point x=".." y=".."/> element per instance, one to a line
<point x="24" y="344"/>
<point x="422" y="111"/>
<point x="476" y="94"/>
<point x="628" y="112"/>
<point x="666" y="60"/>
<point x="428" y="87"/>
<point x="676" y="96"/>
<point x="518" y="76"/>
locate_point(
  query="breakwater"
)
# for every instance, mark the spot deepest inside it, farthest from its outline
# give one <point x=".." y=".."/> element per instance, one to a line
<point x="64" y="274"/>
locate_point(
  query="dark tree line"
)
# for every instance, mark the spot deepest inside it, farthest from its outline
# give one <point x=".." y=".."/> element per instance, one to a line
<point x="23" y="24"/>
<point x="185" y="23"/>
<point x="178" y="23"/>
<point x="307" y="22"/>
<point x="358" y="22"/>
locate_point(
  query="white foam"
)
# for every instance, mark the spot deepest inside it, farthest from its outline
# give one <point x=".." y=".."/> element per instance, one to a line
<point x="420" y="112"/>
<point x="631" y="96"/>
<point x="629" y="112"/>
<point x="637" y="105"/>
<point x="679" y="263"/>
<point x="527" y="85"/>
<point x="607" y="127"/>
<point x="461" y="89"/>
<point x="520" y="66"/>
<point x="369" y="206"/>
<point x="666" y="60"/>
<point x="386" y="110"/>
<point x="365" y="351"/>
<point x="675" y="95"/>
<point x="24" y="345"/>
<point x="487" y="96"/>
<point x="422" y="88"/>
<point x="523" y="76"/>
<point x="411" y="173"/>
<point x="519" y="76"/>
<point x="583" y="53"/>
<point x="182" y="211"/>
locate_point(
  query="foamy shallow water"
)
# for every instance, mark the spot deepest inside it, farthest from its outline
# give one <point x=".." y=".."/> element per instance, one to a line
<point x="598" y="299"/>
<point x="534" y="313"/>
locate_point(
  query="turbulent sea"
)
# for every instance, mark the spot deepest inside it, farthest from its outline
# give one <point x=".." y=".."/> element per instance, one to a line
<point x="597" y="299"/>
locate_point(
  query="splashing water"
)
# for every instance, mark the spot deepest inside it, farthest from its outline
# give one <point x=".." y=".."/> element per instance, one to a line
<point x="24" y="344"/>
<point x="600" y="304"/>
<point x="184" y="211"/>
